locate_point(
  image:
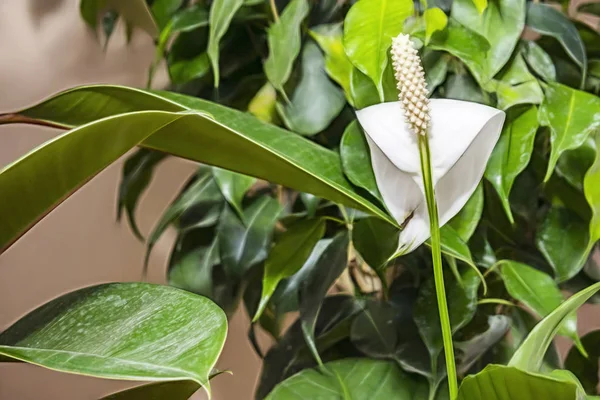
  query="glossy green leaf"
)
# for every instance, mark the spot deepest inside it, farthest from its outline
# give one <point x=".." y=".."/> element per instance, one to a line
<point x="562" y="238"/>
<point x="586" y="368"/>
<point x="512" y="153"/>
<point x="538" y="60"/>
<point x="221" y="14"/>
<point x="337" y="64"/>
<point x="233" y="186"/>
<point x="189" y="19"/>
<point x="176" y="390"/>
<point x="592" y="193"/>
<point x="289" y="255"/>
<point x="246" y="242"/>
<point x="467" y="219"/>
<point x="316" y="101"/>
<point x="516" y="85"/>
<point x="162" y="10"/>
<point x="435" y="20"/>
<point x="501" y="24"/>
<point x="183" y="71"/>
<point x="345" y="378"/>
<point x="530" y="354"/>
<point x="571" y="115"/>
<point x="497" y="382"/>
<point x="356" y="159"/>
<point x="376" y="242"/>
<point x="538" y="292"/>
<point x="462" y="303"/>
<point x="469" y="351"/>
<point x="545" y="20"/>
<point x="574" y="164"/>
<point x="313" y="290"/>
<point x="232" y="140"/>
<point x="136" y="176"/>
<point x="462" y="86"/>
<point x="467" y="45"/>
<point x="435" y="64"/>
<point x="368" y="31"/>
<point x="193" y="272"/>
<point x="454" y="246"/>
<point x="108" y="331"/>
<point x="284" y="43"/>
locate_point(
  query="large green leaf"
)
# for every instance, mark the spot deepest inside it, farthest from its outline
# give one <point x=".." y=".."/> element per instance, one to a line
<point x="465" y="44"/>
<point x="375" y="241"/>
<point x="501" y="24"/>
<point x="586" y="368"/>
<point x="538" y="292"/>
<point x="337" y="64"/>
<point x="246" y="242"/>
<point x="512" y="153"/>
<point x="221" y="14"/>
<point x="289" y="255"/>
<point x="592" y="193"/>
<point x="547" y="21"/>
<point x="176" y="390"/>
<point x="316" y="100"/>
<point x="134" y="331"/>
<point x="497" y="382"/>
<point x="369" y="28"/>
<point x="284" y="43"/>
<point x="530" y="354"/>
<point x="516" y="85"/>
<point x="467" y="219"/>
<point x="233" y="186"/>
<point x="232" y="140"/>
<point x="563" y="238"/>
<point x="347" y="379"/>
<point x="356" y="159"/>
<point x="571" y="115"/>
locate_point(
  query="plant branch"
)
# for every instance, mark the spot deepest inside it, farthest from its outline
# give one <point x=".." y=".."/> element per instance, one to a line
<point x="438" y="273"/>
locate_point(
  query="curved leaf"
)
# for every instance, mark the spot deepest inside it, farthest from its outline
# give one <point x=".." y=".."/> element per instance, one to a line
<point x="233" y="140"/>
<point x="134" y="331"/>
<point x="289" y="255"/>
<point x="592" y="193"/>
<point x="176" y="390"/>
<point x="369" y="28"/>
<point x="467" y="219"/>
<point x="501" y="24"/>
<point x="284" y="43"/>
<point x="571" y="115"/>
<point x="221" y="14"/>
<point x="193" y="272"/>
<point x="512" y="154"/>
<point x="376" y="242"/>
<point x="435" y="20"/>
<point x="538" y="60"/>
<point x="233" y="186"/>
<point x="471" y="350"/>
<point x="345" y="378"/>
<point x="586" y="368"/>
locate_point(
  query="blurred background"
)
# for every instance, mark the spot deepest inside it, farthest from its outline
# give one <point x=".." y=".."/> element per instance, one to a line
<point x="46" y="47"/>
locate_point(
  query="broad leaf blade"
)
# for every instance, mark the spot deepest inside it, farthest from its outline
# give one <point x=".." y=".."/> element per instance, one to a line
<point x="122" y="331"/>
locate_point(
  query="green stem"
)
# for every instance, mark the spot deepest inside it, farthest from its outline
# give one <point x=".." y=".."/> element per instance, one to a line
<point x="438" y="273"/>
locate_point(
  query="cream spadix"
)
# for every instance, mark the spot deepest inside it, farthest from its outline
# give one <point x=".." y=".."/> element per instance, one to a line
<point x="461" y="138"/>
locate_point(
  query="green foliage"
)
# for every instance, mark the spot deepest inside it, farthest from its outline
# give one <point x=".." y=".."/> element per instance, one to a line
<point x="287" y="211"/>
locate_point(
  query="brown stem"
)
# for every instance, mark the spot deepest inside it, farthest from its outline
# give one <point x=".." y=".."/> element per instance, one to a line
<point x="12" y="118"/>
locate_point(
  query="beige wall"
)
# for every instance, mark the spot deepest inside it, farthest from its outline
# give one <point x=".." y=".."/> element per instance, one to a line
<point x="44" y="48"/>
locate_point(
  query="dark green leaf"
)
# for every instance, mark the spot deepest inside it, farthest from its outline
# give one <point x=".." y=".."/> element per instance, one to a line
<point x="176" y="390"/>
<point x="193" y="272"/>
<point x="435" y="64"/>
<point x="368" y="31"/>
<point x="244" y="243"/>
<point x="454" y="246"/>
<point x="463" y="87"/>
<point x="573" y="164"/>
<point x="189" y="19"/>
<point x="162" y="10"/>
<point x="501" y="24"/>
<point x="316" y="100"/>
<point x="591" y="8"/>
<point x="122" y="331"/>
<point x="586" y="368"/>
<point x="183" y="71"/>
<point x="538" y="60"/>
<point x="356" y="159"/>
<point x="341" y="379"/>
<point x="512" y="153"/>
<point x="469" y="351"/>
<point x="538" y="292"/>
<point x="467" y="219"/>
<point x="571" y="115"/>
<point x="563" y="238"/>
<point x="233" y="186"/>
<point x="284" y="43"/>
<point x="221" y="14"/>
<point x="289" y="254"/>
<point x="376" y="242"/>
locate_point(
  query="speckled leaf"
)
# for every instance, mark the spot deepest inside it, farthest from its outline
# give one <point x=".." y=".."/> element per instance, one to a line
<point x="347" y="378"/>
<point x="316" y="100"/>
<point x="538" y="292"/>
<point x="369" y="28"/>
<point x="467" y="219"/>
<point x="538" y="60"/>
<point x="512" y="153"/>
<point x="134" y="331"/>
<point x="221" y="14"/>
<point x="501" y="24"/>
<point x="562" y="238"/>
<point x="288" y="255"/>
<point x="284" y="43"/>
<point x="232" y="140"/>
<point x="246" y="242"/>
<point x="571" y="115"/>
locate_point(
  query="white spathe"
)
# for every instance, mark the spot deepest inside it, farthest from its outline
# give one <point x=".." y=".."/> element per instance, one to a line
<point x="462" y="136"/>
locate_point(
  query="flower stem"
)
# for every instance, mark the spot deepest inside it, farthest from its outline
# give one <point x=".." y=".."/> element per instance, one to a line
<point x="438" y="273"/>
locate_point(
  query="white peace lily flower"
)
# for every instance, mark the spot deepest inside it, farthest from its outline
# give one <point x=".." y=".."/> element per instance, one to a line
<point x="461" y="138"/>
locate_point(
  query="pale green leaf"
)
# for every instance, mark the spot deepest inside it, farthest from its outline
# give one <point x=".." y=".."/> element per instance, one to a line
<point x="435" y="20"/>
